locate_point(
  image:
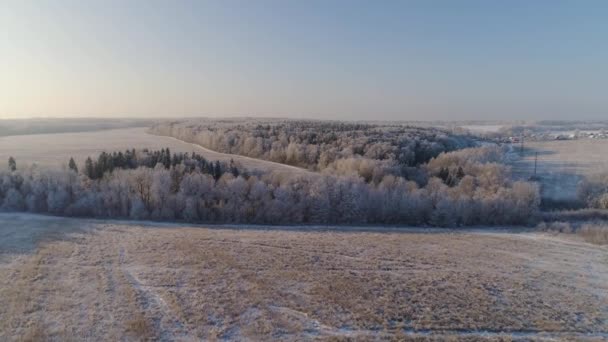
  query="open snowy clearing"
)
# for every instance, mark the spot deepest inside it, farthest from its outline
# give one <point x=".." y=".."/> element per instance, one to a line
<point x="107" y="280"/>
<point x="563" y="163"/>
<point x="56" y="149"/>
<point x="483" y="128"/>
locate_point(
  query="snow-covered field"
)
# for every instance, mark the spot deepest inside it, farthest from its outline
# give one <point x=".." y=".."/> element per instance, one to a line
<point x="55" y="150"/>
<point x="562" y="164"/>
<point x="111" y="280"/>
<point x="483" y="128"/>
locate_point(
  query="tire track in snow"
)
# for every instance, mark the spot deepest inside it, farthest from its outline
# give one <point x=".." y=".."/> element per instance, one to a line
<point x="168" y="325"/>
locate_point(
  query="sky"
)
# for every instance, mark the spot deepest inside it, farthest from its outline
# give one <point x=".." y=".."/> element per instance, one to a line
<point x="330" y="59"/>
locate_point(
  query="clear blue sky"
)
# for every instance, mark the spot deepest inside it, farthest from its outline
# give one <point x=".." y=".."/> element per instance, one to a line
<point x="407" y="60"/>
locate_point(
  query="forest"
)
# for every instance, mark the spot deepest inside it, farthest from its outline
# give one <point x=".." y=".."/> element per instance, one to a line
<point x="465" y="187"/>
<point x="344" y="148"/>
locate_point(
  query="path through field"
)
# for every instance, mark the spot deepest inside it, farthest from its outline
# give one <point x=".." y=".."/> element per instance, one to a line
<point x="247" y="162"/>
<point x="130" y="281"/>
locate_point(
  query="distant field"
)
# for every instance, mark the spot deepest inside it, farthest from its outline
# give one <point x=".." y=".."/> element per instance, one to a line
<point x="584" y="156"/>
<point x="73" y="125"/>
<point x="115" y="281"/>
<point x="562" y="164"/>
<point x="55" y="150"/>
<point x="483" y="128"/>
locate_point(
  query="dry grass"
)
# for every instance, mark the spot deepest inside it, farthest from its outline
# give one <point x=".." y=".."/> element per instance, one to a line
<point x="133" y="283"/>
<point x="555" y="227"/>
<point x="140" y="327"/>
<point x="35" y="332"/>
<point x="595" y="233"/>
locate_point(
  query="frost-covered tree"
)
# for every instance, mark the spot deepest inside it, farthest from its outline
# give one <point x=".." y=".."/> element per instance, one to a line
<point x="318" y="144"/>
<point x="593" y="191"/>
<point x="13" y="201"/>
<point x="190" y="190"/>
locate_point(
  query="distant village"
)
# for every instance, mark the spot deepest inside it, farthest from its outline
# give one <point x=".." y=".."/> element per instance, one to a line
<point x="549" y="136"/>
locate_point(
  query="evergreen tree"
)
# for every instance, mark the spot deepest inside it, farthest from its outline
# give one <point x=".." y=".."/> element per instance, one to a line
<point x="217" y="170"/>
<point x="100" y="165"/>
<point x="460" y="173"/>
<point x="89" y="168"/>
<point x="444" y="173"/>
<point x="233" y="169"/>
<point x="72" y="165"/>
<point x="120" y="161"/>
<point x="12" y="164"/>
<point x="167" y="158"/>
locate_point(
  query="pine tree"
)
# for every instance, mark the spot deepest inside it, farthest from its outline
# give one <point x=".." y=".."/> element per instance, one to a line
<point x="460" y="173"/>
<point x="89" y="168"/>
<point x="233" y="169"/>
<point x="12" y="164"/>
<point x="217" y="170"/>
<point x="99" y="167"/>
<point x="444" y="173"/>
<point x="167" y="158"/>
<point x="72" y="165"/>
<point x="120" y="160"/>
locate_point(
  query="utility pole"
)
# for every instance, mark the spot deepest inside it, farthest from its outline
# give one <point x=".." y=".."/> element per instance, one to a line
<point x="522" y="144"/>
<point x="535" y="163"/>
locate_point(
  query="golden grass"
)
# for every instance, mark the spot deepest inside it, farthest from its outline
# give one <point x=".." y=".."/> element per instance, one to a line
<point x="140" y="327"/>
<point x="199" y="284"/>
<point x="34" y="333"/>
<point x="595" y="233"/>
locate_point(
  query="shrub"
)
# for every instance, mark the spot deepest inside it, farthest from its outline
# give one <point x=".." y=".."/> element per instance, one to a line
<point x="556" y="227"/>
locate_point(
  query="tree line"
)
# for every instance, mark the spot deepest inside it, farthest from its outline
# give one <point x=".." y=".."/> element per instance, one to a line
<point x="132" y="159"/>
<point x="342" y="148"/>
<point x="480" y="192"/>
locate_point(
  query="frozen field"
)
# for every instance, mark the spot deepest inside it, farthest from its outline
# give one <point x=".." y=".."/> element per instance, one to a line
<point x="562" y="164"/>
<point x="128" y="281"/>
<point x="55" y="150"/>
<point x="483" y="128"/>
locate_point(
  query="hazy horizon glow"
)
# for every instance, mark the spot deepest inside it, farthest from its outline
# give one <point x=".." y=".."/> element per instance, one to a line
<point x="392" y="60"/>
